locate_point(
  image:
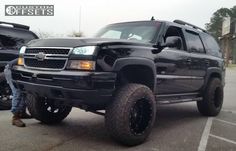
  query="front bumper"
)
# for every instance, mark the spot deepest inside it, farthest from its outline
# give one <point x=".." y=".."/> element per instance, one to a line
<point x="77" y="88"/>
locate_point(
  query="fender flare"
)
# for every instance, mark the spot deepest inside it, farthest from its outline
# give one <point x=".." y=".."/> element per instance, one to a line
<point x="211" y="71"/>
<point x="123" y="62"/>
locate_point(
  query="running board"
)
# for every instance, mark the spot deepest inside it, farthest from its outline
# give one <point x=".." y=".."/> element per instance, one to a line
<point x="179" y="101"/>
<point x="178" y="98"/>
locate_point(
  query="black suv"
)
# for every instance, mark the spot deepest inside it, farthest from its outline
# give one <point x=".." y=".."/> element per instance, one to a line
<point x="12" y="38"/>
<point x="127" y="70"/>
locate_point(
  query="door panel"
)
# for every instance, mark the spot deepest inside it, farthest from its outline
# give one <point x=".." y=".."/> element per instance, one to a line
<point x="199" y="63"/>
<point x="173" y="74"/>
<point x="198" y="69"/>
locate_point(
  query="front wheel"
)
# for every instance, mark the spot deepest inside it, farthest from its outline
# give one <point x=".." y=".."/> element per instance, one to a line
<point x="213" y="98"/>
<point x="46" y="111"/>
<point x="130" y="117"/>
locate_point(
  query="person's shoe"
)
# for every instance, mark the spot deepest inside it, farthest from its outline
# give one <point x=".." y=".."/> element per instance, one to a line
<point x="24" y="115"/>
<point x="17" y="121"/>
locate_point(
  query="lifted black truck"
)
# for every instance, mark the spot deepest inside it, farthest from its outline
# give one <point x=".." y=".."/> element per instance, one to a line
<point x="12" y="37"/>
<point x="127" y="70"/>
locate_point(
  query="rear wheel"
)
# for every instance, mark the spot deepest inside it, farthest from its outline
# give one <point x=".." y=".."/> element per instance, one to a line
<point x="130" y="117"/>
<point x="213" y="98"/>
<point x="46" y="111"/>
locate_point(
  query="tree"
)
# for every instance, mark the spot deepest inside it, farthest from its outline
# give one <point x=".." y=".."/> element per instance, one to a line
<point x="233" y="12"/>
<point x="43" y="34"/>
<point x="76" y="34"/>
<point x="215" y="25"/>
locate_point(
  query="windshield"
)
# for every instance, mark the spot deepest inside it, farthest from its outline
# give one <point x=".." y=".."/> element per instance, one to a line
<point x="141" y="31"/>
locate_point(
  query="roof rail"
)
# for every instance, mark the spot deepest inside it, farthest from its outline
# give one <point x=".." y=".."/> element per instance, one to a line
<point x="191" y="25"/>
<point x="16" y="25"/>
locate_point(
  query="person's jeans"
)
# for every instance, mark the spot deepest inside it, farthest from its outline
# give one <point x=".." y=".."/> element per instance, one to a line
<point x="18" y="102"/>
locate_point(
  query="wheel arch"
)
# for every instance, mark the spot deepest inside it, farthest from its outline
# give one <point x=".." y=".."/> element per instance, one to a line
<point x="214" y="73"/>
<point x="141" y="70"/>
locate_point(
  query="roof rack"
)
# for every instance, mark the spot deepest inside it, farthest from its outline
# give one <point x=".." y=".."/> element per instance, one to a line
<point x="191" y="25"/>
<point x="16" y="25"/>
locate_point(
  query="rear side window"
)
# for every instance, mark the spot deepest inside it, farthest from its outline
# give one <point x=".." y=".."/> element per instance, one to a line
<point x="194" y="42"/>
<point x="211" y="45"/>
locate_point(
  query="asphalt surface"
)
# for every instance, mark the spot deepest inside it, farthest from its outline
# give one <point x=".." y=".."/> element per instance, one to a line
<point x="178" y="127"/>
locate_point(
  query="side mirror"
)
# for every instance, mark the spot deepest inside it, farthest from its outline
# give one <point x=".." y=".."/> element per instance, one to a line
<point x="173" y="42"/>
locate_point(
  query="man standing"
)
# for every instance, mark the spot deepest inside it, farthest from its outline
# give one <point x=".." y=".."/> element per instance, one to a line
<point x="18" y="103"/>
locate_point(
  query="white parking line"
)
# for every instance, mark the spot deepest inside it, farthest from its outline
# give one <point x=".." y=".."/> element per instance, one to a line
<point x="223" y="139"/>
<point x="223" y="121"/>
<point x="203" y="142"/>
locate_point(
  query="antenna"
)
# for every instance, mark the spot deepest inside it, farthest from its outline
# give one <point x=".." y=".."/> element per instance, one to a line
<point x="152" y="18"/>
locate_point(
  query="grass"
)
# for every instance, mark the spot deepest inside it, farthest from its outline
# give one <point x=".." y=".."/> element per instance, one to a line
<point x="231" y="65"/>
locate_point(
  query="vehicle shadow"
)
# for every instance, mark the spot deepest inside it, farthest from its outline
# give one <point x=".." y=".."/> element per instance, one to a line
<point x="86" y="130"/>
<point x="176" y="113"/>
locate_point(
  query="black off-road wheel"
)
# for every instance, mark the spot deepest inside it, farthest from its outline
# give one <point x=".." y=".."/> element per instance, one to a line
<point x="46" y="111"/>
<point x="130" y="117"/>
<point x="212" y="99"/>
<point x="5" y="94"/>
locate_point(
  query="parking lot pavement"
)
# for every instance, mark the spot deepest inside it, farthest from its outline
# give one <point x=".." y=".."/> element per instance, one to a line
<point x="178" y="127"/>
<point x="222" y="135"/>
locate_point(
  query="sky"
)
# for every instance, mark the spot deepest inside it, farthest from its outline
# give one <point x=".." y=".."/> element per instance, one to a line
<point x="95" y="14"/>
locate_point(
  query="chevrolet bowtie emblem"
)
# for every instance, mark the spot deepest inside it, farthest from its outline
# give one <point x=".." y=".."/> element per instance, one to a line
<point x="40" y="56"/>
<point x="34" y="75"/>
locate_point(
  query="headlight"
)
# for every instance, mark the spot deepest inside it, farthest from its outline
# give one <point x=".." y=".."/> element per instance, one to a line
<point x="81" y="65"/>
<point x="86" y="50"/>
<point x="22" y="50"/>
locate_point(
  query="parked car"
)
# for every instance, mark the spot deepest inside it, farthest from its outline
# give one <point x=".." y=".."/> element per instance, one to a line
<point x="127" y="70"/>
<point x="12" y="37"/>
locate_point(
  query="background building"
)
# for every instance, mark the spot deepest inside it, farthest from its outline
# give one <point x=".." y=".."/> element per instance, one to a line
<point x="228" y="40"/>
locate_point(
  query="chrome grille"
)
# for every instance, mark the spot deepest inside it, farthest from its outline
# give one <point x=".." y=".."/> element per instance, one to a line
<point x="48" y="51"/>
<point x="46" y="58"/>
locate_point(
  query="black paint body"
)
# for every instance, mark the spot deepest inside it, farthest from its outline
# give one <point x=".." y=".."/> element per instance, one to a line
<point x="167" y="71"/>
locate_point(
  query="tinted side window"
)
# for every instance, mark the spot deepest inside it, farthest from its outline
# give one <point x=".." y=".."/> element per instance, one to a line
<point x="211" y="45"/>
<point x="194" y="42"/>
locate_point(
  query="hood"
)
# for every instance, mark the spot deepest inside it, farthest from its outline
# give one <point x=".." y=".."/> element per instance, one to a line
<point x="75" y="42"/>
